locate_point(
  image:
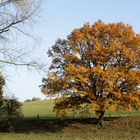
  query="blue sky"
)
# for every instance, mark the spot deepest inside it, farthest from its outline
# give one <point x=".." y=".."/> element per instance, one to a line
<point x="57" y="19"/>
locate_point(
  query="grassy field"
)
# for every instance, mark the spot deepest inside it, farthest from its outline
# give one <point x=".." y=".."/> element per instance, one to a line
<point x="121" y="125"/>
<point x="44" y="109"/>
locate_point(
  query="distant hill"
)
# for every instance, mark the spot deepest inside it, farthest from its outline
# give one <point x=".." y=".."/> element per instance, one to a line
<point x="42" y="107"/>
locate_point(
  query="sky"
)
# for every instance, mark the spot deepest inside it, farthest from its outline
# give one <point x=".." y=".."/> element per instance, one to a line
<point x="57" y="19"/>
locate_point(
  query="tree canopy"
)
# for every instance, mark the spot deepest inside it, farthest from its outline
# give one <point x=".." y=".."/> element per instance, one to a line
<point x="97" y="68"/>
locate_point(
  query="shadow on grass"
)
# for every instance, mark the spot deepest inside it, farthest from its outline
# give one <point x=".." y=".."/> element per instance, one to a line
<point x="53" y="125"/>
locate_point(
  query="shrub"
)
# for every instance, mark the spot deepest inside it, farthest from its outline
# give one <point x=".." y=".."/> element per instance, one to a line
<point x="9" y="114"/>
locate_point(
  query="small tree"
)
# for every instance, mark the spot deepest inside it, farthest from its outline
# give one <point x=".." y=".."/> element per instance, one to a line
<point x="2" y="83"/>
<point x="97" y="68"/>
<point x="9" y="110"/>
<point x="9" y="114"/>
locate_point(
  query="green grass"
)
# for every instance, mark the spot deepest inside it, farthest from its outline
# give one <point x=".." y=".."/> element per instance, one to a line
<point x="125" y="128"/>
<point x="44" y="109"/>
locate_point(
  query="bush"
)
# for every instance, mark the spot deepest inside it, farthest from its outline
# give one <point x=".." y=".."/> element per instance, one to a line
<point x="9" y="114"/>
<point x="9" y="109"/>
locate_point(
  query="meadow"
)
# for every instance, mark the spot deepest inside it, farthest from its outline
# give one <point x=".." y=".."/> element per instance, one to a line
<point x="44" y="110"/>
<point x="117" y="125"/>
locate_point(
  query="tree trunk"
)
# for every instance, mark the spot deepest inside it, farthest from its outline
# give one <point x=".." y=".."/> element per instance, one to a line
<point x="100" y="116"/>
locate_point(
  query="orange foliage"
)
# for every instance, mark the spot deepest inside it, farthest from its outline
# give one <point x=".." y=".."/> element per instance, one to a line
<point x="97" y="66"/>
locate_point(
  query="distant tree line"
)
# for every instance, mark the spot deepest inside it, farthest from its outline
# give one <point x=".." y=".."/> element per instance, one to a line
<point x="33" y="99"/>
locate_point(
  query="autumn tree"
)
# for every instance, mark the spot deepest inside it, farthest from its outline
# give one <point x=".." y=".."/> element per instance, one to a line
<point x="96" y="68"/>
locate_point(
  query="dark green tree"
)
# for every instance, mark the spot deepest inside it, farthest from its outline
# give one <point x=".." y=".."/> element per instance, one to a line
<point x="9" y="110"/>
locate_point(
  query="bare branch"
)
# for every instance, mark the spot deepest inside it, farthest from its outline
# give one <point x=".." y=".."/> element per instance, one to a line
<point x="13" y="14"/>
